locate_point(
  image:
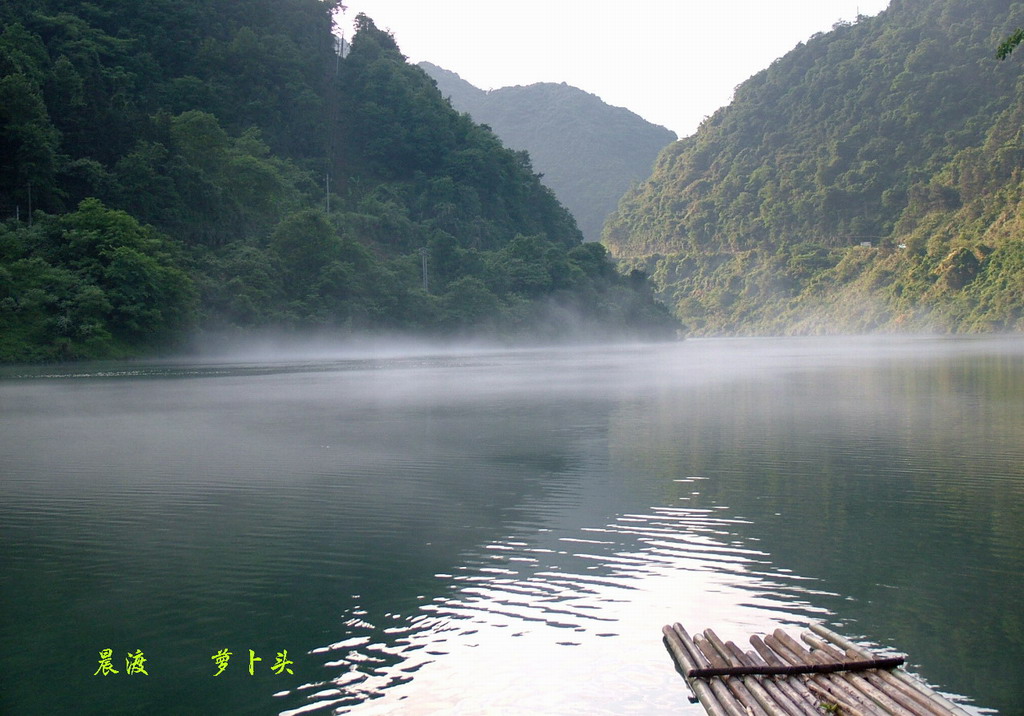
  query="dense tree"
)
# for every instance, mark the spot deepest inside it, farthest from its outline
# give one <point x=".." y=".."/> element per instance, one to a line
<point x="167" y="167"/>
<point x="90" y="283"/>
<point x="1007" y="46"/>
<point x="861" y="182"/>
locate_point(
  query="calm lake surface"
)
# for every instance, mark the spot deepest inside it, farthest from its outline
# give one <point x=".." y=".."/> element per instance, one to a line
<point x="505" y="532"/>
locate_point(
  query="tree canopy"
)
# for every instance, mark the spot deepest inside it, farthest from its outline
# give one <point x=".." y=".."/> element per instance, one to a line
<point x="1007" y="46"/>
<point x="846" y="185"/>
<point x="168" y="167"/>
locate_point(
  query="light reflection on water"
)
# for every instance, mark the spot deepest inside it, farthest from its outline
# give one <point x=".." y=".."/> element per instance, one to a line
<point x="566" y="615"/>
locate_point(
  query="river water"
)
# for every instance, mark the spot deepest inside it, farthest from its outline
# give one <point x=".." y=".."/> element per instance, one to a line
<point x="504" y="532"/>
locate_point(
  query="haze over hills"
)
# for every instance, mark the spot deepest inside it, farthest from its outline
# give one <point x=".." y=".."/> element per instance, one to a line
<point x="588" y="152"/>
<point x="167" y="168"/>
<point x="870" y="179"/>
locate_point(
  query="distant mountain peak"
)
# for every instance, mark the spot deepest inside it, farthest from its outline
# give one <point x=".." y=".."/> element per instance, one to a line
<point x="446" y="78"/>
<point x="589" y="152"/>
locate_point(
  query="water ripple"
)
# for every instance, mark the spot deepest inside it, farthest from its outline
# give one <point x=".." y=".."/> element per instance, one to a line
<point x="515" y="601"/>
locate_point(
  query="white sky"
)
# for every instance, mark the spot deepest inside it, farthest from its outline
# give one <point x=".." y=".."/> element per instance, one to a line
<point x="673" y="62"/>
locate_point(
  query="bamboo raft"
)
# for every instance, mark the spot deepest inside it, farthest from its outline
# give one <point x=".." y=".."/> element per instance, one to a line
<point x="782" y="677"/>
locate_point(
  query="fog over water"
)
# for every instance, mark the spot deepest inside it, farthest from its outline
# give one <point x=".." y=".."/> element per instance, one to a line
<point x="435" y="530"/>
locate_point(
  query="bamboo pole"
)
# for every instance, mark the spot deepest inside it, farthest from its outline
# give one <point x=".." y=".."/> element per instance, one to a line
<point x="823" y="667"/>
<point x="904" y="695"/>
<point x="752" y="684"/>
<point x="800" y="686"/>
<point x="679" y="657"/>
<point x="855" y="680"/>
<point x="811" y="690"/>
<point x="882" y="680"/>
<point x="794" y="689"/>
<point x="685" y="660"/>
<point x="903" y="676"/>
<point x="765" y="690"/>
<point x="724" y="696"/>
<point x="790" y="705"/>
<point x="695" y="656"/>
<point x="825" y="694"/>
<point x="815" y="643"/>
<point x="735" y="685"/>
<point x="848" y="692"/>
<point x="909" y="692"/>
<point x="730" y="682"/>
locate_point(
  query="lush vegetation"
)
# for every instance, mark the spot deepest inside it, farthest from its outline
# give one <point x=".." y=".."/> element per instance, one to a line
<point x="168" y="167"/>
<point x="588" y="152"/>
<point x="868" y="180"/>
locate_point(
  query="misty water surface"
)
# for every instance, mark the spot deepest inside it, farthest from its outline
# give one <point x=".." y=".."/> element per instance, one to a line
<point x="505" y="532"/>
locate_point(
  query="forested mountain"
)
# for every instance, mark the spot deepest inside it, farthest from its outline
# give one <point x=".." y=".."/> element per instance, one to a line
<point x="170" y="166"/>
<point x="588" y="152"/>
<point x="868" y="180"/>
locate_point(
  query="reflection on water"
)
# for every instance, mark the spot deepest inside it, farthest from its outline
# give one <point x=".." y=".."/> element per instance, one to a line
<point x="560" y="615"/>
<point x="505" y="532"/>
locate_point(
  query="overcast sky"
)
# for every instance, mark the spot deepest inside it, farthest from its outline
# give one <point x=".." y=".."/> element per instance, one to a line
<point x="673" y="62"/>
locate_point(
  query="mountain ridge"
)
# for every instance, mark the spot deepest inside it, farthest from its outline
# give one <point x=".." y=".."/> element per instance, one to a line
<point x="802" y="206"/>
<point x="172" y="170"/>
<point x="589" y="152"/>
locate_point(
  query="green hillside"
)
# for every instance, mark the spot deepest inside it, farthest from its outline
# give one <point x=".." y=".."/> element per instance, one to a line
<point x="588" y="152"/>
<point x="868" y="180"/>
<point x="168" y="168"/>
